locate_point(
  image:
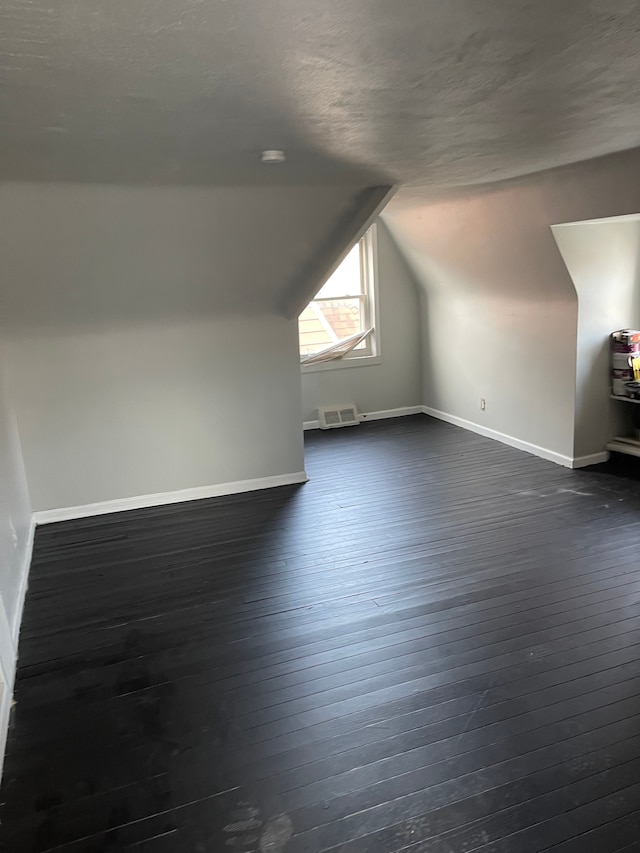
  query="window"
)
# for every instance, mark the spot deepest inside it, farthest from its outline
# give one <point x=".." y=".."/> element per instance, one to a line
<point x="344" y="306"/>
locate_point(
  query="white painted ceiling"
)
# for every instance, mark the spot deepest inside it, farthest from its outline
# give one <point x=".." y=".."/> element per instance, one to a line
<point x="422" y="92"/>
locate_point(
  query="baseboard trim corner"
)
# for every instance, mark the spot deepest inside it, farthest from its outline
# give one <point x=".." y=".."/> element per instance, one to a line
<point x="591" y="459"/>
<point x="51" y="516"/>
<point x="511" y="441"/>
<point x="382" y="415"/>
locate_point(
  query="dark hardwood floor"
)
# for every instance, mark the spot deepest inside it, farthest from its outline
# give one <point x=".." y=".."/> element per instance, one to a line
<point x="431" y="647"/>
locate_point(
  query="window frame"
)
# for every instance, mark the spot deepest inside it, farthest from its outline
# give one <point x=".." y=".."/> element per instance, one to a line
<point x="369" y="274"/>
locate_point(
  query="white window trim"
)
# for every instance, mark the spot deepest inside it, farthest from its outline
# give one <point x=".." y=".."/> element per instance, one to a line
<point x="369" y="257"/>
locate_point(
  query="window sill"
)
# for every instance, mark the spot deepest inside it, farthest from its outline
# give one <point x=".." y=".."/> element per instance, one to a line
<point x="341" y="363"/>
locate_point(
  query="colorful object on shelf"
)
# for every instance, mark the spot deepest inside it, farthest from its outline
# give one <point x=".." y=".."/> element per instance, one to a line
<point x="625" y="362"/>
<point x="620" y="360"/>
<point x="625" y="337"/>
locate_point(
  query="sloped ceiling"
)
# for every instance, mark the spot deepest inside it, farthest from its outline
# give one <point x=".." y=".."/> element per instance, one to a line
<point x="495" y="285"/>
<point x="362" y="95"/>
<point x="357" y="91"/>
<point x="92" y="254"/>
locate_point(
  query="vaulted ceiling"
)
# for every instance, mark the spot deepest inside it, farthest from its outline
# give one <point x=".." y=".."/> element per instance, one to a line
<point x="418" y="92"/>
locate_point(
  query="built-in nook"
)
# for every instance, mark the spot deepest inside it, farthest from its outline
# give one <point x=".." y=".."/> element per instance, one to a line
<point x="603" y="259"/>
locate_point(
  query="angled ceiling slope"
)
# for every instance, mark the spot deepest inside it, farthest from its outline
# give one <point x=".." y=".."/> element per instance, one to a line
<point x="95" y="255"/>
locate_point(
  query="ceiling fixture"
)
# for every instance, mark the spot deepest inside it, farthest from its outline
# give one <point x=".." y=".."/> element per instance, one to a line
<point x="273" y="156"/>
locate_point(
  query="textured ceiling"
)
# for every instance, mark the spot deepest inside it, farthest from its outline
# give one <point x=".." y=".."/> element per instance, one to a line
<point x="416" y="91"/>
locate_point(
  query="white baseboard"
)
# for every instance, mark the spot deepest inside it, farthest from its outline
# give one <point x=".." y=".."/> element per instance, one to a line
<point x="375" y="416"/>
<point x="9" y="642"/>
<point x="9" y="647"/>
<point x="6" y="698"/>
<point x="592" y="459"/>
<point x="391" y="413"/>
<point x="7" y="652"/>
<point x="549" y="455"/>
<point x="24" y="582"/>
<point x="49" y="516"/>
<point x="7" y="677"/>
<point x="536" y="450"/>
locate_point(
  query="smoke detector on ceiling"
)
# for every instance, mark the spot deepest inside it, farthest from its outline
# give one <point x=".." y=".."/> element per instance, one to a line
<point x="273" y="155"/>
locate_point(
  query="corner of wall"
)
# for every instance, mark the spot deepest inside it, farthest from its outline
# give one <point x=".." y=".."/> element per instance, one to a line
<point x="17" y="531"/>
<point x="9" y="636"/>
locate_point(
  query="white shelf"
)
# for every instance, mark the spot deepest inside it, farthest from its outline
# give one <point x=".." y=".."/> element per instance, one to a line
<point x="624" y="399"/>
<point x="625" y="445"/>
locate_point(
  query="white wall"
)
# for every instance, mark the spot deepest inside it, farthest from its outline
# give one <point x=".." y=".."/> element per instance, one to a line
<point x="498" y="318"/>
<point x="16" y="533"/>
<point x="603" y="259"/>
<point x="500" y="311"/>
<point x="144" y="347"/>
<point x="131" y="411"/>
<point x="15" y="509"/>
<point x="393" y="382"/>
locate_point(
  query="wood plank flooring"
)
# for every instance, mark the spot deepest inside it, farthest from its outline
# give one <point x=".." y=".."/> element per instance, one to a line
<point x="432" y="646"/>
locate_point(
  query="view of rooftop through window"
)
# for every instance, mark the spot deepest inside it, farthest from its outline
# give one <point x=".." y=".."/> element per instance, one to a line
<point x="339" y="309"/>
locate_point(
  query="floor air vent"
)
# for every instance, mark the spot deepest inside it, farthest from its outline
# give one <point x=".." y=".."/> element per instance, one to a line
<point x="331" y="417"/>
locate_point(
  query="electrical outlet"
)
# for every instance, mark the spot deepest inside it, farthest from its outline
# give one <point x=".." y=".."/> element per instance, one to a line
<point x="483" y="403"/>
